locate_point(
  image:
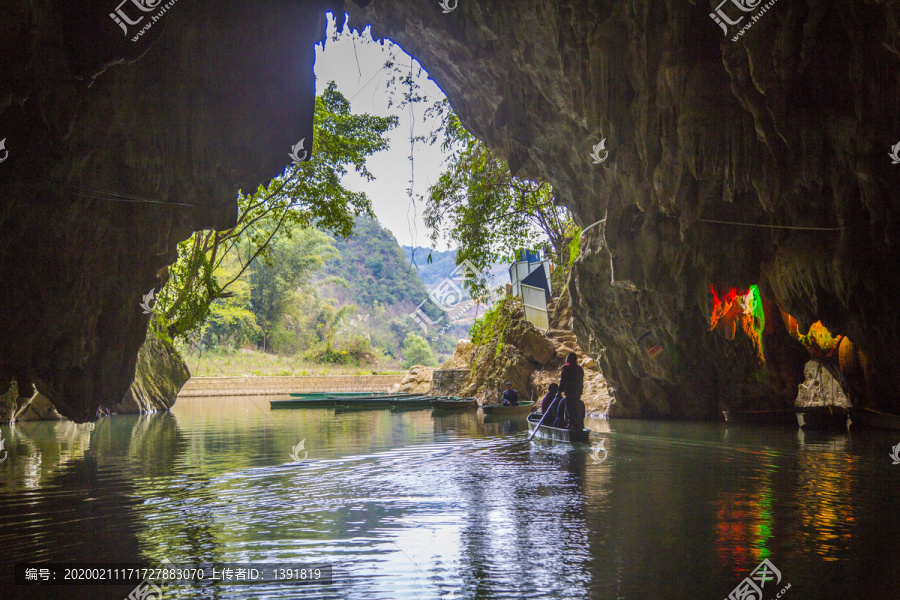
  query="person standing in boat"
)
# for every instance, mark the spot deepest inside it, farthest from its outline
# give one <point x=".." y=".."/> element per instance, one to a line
<point x="510" y="396"/>
<point x="548" y="399"/>
<point x="571" y="383"/>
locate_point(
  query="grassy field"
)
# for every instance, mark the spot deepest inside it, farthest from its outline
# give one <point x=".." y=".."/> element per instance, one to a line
<point x="251" y="362"/>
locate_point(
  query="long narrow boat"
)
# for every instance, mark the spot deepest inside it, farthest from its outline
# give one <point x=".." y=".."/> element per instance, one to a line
<point x="336" y="394"/>
<point x="785" y="416"/>
<point x="453" y="403"/>
<point x="498" y="409"/>
<point x="406" y="400"/>
<point x="873" y="419"/>
<point x="319" y="402"/>
<point x="822" y="417"/>
<point x="555" y="433"/>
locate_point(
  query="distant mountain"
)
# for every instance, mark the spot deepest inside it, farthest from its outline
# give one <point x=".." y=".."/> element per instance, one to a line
<point x="386" y="290"/>
<point x="443" y="262"/>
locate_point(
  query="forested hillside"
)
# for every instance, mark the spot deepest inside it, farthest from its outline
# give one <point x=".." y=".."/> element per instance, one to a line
<point x="372" y="273"/>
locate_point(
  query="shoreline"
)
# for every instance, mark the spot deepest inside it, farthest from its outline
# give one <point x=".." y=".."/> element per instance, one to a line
<point x="265" y="385"/>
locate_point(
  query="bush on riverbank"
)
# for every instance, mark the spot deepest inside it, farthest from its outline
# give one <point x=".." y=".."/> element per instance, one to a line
<point x="236" y="363"/>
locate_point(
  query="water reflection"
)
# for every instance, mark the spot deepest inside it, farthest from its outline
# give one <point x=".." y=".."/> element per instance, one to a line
<point x="415" y="504"/>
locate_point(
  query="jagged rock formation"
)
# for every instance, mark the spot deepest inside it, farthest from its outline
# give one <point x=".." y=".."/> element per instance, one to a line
<point x="783" y="134"/>
<point x="158" y="378"/>
<point x="821" y="387"/>
<point x="418" y="380"/>
<point x="530" y="359"/>
<point x="119" y="149"/>
<point x="160" y="373"/>
<point x="25" y="407"/>
<point x="789" y="127"/>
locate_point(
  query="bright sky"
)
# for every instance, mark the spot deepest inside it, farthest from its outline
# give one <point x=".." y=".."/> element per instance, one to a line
<point x="360" y="76"/>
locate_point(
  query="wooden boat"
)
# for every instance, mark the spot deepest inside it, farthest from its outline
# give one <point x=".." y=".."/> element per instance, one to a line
<point x="873" y="419"/>
<point x="319" y="402"/>
<point x="822" y="417"/>
<point x="498" y="409"/>
<point x="406" y="400"/>
<point x="785" y="416"/>
<point x="555" y="433"/>
<point x="336" y="394"/>
<point x="452" y="403"/>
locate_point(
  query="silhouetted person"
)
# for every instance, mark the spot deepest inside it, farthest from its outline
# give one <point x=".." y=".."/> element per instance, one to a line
<point x="548" y="399"/>
<point x="571" y="383"/>
<point x="510" y="396"/>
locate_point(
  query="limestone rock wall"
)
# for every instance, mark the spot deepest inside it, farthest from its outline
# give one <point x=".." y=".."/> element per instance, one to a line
<point x="118" y="150"/>
<point x="783" y="134"/>
<point x="159" y="376"/>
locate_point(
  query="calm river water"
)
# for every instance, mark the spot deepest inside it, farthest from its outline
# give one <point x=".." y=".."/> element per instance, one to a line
<point x="410" y="505"/>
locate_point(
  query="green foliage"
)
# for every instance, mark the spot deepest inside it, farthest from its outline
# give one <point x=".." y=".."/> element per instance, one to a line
<point x="309" y="194"/>
<point x="574" y="246"/>
<point x="375" y="268"/>
<point x="479" y="205"/>
<point x="492" y="327"/>
<point x="417" y="351"/>
<point x="275" y="284"/>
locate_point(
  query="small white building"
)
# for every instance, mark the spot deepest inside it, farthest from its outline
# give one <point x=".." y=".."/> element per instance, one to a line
<point x="530" y="279"/>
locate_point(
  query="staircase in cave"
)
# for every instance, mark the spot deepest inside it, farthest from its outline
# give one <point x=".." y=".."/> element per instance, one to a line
<point x="560" y="331"/>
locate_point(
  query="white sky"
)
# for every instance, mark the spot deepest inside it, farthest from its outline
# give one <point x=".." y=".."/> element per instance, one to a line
<point x="365" y="86"/>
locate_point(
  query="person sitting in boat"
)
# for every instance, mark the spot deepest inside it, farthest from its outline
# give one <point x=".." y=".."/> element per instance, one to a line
<point x="549" y="398"/>
<point x="571" y="383"/>
<point x="510" y="396"/>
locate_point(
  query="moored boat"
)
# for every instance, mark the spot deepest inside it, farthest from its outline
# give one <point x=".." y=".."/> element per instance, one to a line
<point x="337" y="394"/>
<point x="320" y="402"/>
<point x="555" y="433"/>
<point x="499" y="409"/>
<point x="822" y="417"/>
<point x="453" y="403"/>
<point x="785" y="416"/>
<point x="874" y="419"/>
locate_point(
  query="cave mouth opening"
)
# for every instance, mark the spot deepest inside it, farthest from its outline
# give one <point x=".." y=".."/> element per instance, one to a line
<point x="768" y="326"/>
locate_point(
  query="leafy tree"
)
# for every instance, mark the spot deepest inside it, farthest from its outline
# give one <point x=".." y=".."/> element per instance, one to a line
<point x="478" y="204"/>
<point x="416" y="351"/>
<point x="293" y="260"/>
<point x="307" y="194"/>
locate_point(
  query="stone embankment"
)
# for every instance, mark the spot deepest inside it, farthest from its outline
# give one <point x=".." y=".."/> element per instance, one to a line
<point x="261" y="386"/>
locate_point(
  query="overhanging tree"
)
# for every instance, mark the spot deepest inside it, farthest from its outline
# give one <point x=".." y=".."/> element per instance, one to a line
<point x="479" y="205"/>
<point x="308" y="194"/>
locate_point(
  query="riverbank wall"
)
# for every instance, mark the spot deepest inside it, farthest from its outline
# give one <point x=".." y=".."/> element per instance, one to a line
<point x="274" y="385"/>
